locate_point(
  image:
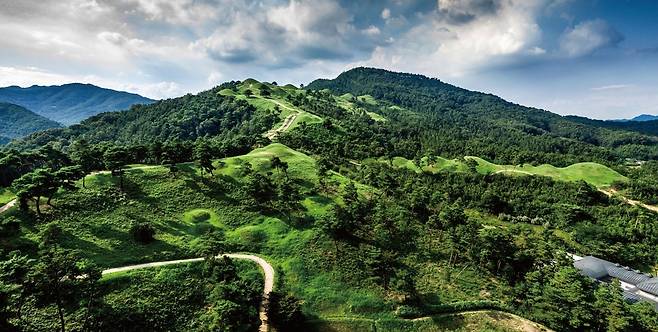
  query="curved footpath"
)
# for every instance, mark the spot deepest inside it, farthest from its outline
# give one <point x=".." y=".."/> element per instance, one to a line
<point x="267" y="270"/>
<point x="612" y="192"/>
<point x="8" y="206"/>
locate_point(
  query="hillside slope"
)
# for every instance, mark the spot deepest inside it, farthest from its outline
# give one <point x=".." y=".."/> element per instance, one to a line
<point x="16" y="121"/>
<point x="186" y="118"/>
<point x="70" y="103"/>
<point x="463" y="122"/>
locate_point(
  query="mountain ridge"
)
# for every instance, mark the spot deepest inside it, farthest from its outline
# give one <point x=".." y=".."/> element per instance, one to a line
<point x="474" y="118"/>
<point x="645" y="117"/>
<point x="70" y="103"/>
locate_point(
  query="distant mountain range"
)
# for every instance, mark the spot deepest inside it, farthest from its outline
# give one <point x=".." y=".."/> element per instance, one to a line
<point x="17" y="121"/>
<point x="645" y="117"/>
<point x="70" y="103"/>
<point x="422" y="114"/>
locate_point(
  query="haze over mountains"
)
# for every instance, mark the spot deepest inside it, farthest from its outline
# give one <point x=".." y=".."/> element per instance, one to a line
<point x="70" y="103"/>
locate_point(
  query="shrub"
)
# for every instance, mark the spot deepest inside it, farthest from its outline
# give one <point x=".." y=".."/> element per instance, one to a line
<point x="143" y="233"/>
<point x="285" y="311"/>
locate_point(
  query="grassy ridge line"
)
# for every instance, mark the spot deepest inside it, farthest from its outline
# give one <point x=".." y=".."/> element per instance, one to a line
<point x="593" y="173"/>
<point x="277" y="98"/>
<point x="346" y="101"/>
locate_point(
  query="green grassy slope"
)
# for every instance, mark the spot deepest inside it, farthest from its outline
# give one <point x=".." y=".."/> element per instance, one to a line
<point x="593" y="173"/>
<point x="6" y="196"/>
<point x="363" y="103"/>
<point x="277" y="98"/>
<point x="186" y="206"/>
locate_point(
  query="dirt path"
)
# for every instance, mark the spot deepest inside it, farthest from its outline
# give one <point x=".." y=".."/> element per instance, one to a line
<point x="284" y="126"/>
<point x="7" y="206"/>
<point x="612" y="192"/>
<point x="267" y="270"/>
<point x="512" y="171"/>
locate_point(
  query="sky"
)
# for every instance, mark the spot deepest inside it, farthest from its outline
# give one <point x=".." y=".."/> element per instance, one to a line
<point x="595" y="58"/>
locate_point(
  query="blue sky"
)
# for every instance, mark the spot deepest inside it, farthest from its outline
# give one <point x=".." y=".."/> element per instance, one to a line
<point x="596" y="58"/>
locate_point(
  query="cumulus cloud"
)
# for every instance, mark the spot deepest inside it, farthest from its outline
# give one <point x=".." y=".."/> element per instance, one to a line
<point x="462" y="36"/>
<point x="464" y="11"/>
<point x="162" y="48"/>
<point x="183" y="12"/>
<point x="290" y="34"/>
<point x="588" y="37"/>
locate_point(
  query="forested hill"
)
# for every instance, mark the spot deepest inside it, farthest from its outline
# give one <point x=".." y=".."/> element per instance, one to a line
<point x="16" y="121"/>
<point x="207" y="114"/>
<point x="457" y="121"/>
<point x="70" y="103"/>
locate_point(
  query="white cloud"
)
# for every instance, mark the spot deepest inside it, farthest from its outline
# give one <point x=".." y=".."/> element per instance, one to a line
<point x="288" y="35"/>
<point x="181" y="12"/>
<point x="214" y="77"/>
<point x="587" y="37"/>
<point x="28" y="76"/>
<point x="372" y="31"/>
<point x="386" y="13"/>
<point x="462" y="37"/>
<point x="611" y="87"/>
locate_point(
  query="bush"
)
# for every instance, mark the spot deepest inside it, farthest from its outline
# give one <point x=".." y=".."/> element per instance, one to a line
<point x="285" y="311"/>
<point x="143" y="233"/>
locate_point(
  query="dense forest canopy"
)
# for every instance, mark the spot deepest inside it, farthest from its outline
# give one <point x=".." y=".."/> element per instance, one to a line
<point x="349" y="232"/>
<point x="458" y="122"/>
<point x="17" y="121"/>
<point x="186" y="118"/>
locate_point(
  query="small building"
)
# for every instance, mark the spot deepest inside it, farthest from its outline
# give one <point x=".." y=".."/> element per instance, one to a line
<point x="636" y="286"/>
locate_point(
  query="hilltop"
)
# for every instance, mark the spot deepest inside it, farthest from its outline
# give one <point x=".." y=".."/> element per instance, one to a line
<point x="486" y="125"/>
<point x="70" y="103"/>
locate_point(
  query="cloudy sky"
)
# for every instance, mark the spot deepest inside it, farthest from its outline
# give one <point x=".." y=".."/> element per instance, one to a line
<point x="597" y="58"/>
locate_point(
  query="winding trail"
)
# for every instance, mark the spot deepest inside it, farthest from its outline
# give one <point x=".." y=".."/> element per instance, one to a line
<point x="265" y="266"/>
<point x="8" y="206"/>
<point x="612" y="192"/>
<point x="284" y="126"/>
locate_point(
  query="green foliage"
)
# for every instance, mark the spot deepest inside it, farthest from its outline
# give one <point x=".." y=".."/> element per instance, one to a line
<point x="16" y="121"/>
<point x="208" y="114"/>
<point x="285" y="311"/>
<point x="457" y="122"/>
<point x="143" y="233"/>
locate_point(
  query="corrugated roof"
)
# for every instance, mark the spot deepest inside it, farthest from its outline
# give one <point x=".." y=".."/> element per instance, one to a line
<point x="626" y="274"/>
<point x="631" y="297"/>
<point x="650" y="286"/>
<point x="592" y="267"/>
